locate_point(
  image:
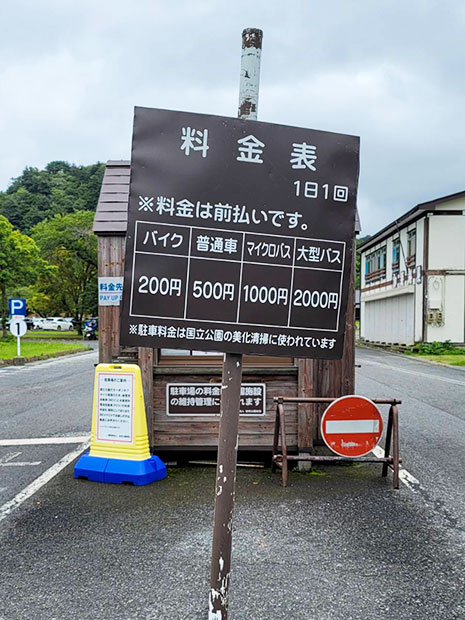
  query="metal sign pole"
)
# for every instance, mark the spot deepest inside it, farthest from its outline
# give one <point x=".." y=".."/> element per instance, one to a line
<point x="231" y="385"/>
<point x="18" y="340"/>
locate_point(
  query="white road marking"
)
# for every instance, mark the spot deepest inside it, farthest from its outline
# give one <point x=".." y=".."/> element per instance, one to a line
<point x="414" y="372"/>
<point x="6" y="461"/>
<point x="39" y="482"/>
<point x="352" y="426"/>
<point x="43" y="441"/>
<point x="404" y="476"/>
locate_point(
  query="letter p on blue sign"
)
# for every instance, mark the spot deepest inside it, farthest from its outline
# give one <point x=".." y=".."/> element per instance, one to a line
<point x="17" y="307"/>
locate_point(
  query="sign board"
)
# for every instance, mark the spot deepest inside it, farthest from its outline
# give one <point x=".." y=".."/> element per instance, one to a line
<point x="18" y="327"/>
<point x="239" y="237"/>
<point x="203" y="399"/>
<point x="110" y="290"/>
<point x="17" y="307"/>
<point x="119" y="448"/>
<point x="115" y="396"/>
<point x="351" y="426"/>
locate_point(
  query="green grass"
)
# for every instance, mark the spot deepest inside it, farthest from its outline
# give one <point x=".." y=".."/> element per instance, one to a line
<point x="37" y="349"/>
<point x="51" y="334"/>
<point x="452" y="360"/>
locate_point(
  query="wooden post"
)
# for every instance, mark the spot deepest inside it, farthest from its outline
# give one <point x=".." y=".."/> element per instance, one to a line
<point x="111" y="263"/>
<point x="145" y="361"/>
<point x="104" y="312"/>
<point x="305" y="417"/>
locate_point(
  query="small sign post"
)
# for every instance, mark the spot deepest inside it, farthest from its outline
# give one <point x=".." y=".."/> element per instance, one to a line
<point x="17" y="307"/>
<point x="18" y="328"/>
<point x="239" y="240"/>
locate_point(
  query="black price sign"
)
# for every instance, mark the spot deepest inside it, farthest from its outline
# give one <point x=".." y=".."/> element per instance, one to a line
<point x="239" y="236"/>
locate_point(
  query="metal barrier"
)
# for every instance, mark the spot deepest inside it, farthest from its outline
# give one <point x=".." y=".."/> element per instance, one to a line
<point x="392" y="433"/>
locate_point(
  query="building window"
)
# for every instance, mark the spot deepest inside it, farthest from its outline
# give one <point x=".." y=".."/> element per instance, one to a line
<point x="395" y="255"/>
<point x="411" y="247"/>
<point x="375" y="265"/>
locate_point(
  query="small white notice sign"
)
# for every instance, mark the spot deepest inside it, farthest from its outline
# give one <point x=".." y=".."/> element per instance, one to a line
<point x="115" y="407"/>
<point x="110" y="290"/>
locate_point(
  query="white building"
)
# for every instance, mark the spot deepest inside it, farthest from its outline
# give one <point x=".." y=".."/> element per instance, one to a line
<point x="413" y="276"/>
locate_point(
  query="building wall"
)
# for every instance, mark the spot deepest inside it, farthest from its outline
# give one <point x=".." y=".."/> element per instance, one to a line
<point x="419" y="287"/>
<point x="196" y="432"/>
<point x="383" y="318"/>
<point x="380" y="326"/>
<point x="446" y="242"/>
<point x="446" y="269"/>
<point x="393" y="313"/>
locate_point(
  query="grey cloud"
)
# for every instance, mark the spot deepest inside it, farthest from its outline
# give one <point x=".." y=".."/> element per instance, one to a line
<point x="389" y="71"/>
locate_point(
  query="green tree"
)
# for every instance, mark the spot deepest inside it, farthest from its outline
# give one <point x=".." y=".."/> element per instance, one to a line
<point x="60" y="188"/>
<point x="69" y="245"/>
<point x="19" y="263"/>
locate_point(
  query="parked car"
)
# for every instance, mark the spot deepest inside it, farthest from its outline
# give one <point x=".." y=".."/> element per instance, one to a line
<point x="57" y="324"/>
<point x="72" y="320"/>
<point x="37" y="322"/>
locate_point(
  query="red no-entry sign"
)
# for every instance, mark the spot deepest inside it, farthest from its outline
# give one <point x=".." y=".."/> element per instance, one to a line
<point x="351" y="426"/>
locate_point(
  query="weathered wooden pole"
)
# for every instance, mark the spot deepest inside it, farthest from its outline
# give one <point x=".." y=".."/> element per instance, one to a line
<point x="231" y="385"/>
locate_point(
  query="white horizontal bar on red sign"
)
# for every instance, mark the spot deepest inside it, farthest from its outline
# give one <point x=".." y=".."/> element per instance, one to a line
<point x="351" y="426"/>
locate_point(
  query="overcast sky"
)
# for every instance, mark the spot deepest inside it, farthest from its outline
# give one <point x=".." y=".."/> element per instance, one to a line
<point x="390" y="71"/>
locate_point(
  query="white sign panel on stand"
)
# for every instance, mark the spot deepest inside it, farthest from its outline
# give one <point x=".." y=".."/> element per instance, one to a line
<point x="115" y="398"/>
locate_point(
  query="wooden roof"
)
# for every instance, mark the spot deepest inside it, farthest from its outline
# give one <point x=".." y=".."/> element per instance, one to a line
<point x="111" y="216"/>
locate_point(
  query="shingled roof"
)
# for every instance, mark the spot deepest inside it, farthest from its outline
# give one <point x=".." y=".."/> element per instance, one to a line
<point x="111" y="217"/>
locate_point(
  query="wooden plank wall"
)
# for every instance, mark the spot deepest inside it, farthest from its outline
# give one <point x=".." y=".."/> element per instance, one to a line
<point x="189" y="432"/>
<point x="110" y="263"/>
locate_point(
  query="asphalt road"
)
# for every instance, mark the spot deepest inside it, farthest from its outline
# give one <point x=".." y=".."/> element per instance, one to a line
<point x="338" y="544"/>
<point x="49" y="399"/>
<point x="432" y="423"/>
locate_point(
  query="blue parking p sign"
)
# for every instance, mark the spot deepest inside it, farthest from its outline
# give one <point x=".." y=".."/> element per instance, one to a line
<point x="17" y="307"/>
